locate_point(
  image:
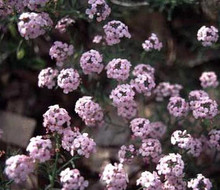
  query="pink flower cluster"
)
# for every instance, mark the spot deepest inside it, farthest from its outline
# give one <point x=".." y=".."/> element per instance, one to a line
<point x="90" y="112"/>
<point x="47" y="78"/>
<point x="63" y="24"/>
<point x="200" y="182"/>
<point x="207" y="35"/>
<point x="56" y="119"/>
<point x="114" y="31"/>
<point x="152" y="43"/>
<point x="78" y="143"/>
<point x="118" y="69"/>
<point x="114" y="177"/>
<point x="150" y="149"/>
<point x="91" y="62"/>
<point x="36" y="4"/>
<point x="143" y="84"/>
<point x="174" y="183"/>
<point x="142" y="69"/>
<point x="150" y="181"/>
<point x="140" y="127"/>
<point x="185" y="141"/>
<point x="127" y="110"/>
<point x="178" y="107"/>
<point x="209" y="79"/>
<point x="98" y="8"/>
<point x="126" y="154"/>
<point x="60" y="52"/>
<point x="39" y="149"/>
<point x="8" y="7"/>
<point x="165" y="89"/>
<point x="214" y="139"/>
<point x="171" y="165"/>
<point x="68" y="80"/>
<point x="195" y="96"/>
<point x="31" y="25"/>
<point x="72" y="180"/>
<point x="19" y="167"/>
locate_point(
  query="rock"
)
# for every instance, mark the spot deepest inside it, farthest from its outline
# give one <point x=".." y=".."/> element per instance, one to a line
<point x="17" y="129"/>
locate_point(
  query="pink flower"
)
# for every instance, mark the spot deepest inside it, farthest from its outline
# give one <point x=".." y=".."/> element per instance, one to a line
<point x="209" y="79"/>
<point x="64" y="23"/>
<point x="150" y="181"/>
<point x="77" y="143"/>
<point x="98" y="9"/>
<point x="150" y="149"/>
<point x="31" y="25"/>
<point x="207" y="35"/>
<point x="39" y="149"/>
<point x="36" y="4"/>
<point x="97" y="39"/>
<point x="158" y="130"/>
<point x="19" y="167"/>
<point x="91" y="62"/>
<point x="114" y="177"/>
<point x="60" y="52"/>
<point x="68" y="80"/>
<point x="72" y="180"/>
<point x="174" y="183"/>
<point x="127" y="110"/>
<point x="142" y="69"/>
<point x="122" y="94"/>
<point x="178" y="107"/>
<point x="195" y="96"/>
<point x="140" y="127"/>
<point x="47" y="78"/>
<point x="90" y="112"/>
<point x="214" y="139"/>
<point x="152" y="43"/>
<point x="114" y="31"/>
<point x="118" y="69"/>
<point x="56" y="119"/>
<point x="126" y="153"/>
<point x="171" y="165"/>
<point x="200" y="183"/>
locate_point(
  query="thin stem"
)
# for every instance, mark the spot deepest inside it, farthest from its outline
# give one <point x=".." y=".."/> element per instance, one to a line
<point x="67" y="163"/>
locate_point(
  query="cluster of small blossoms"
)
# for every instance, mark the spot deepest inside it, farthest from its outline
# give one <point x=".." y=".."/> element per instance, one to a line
<point x="150" y="181"/>
<point x="39" y="149"/>
<point x="128" y="110"/>
<point x="158" y="130"/>
<point x="118" y="69"/>
<point x="209" y="79"/>
<point x="8" y="7"/>
<point x="122" y="94"/>
<point x="200" y="183"/>
<point x="185" y="141"/>
<point x="63" y="24"/>
<point x="56" y="119"/>
<point x="207" y="35"/>
<point x="19" y="167"/>
<point x="98" y="8"/>
<point x="174" y="183"/>
<point x="171" y="165"/>
<point x="91" y="62"/>
<point x="60" y="52"/>
<point x="68" y="80"/>
<point x="195" y="96"/>
<point x="47" y="78"/>
<point x="90" y="112"/>
<point x="178" y="107"/>
<point x="78" y="143"/>
<point x="214" y="139"/>
<point x="72" y="180"/>
<point x="152" y="43"/>
<point x="165" y="89"/>
<point x="126" y="153"/>
<point x="142" y="69"/>
<point x="114" y="177"/>
<point x="205" y="108"/>
<point x="114" y="31"/>
<point x="150" y="149"/>
<point x="140" y="127"/>
<point x="36" y="4"/>
<point x="31" y="25"/>
<point x="143" y="84"/>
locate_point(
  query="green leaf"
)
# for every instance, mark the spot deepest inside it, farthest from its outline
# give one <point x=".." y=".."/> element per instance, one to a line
<point x="20" y="54"/>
